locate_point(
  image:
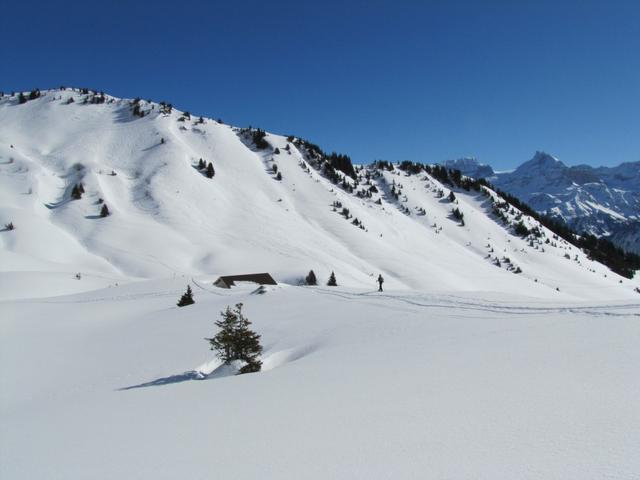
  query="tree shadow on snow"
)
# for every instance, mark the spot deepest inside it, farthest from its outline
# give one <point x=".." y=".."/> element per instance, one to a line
<point x="221" y="371"/>
<point x="183" y="377"/>
<point x="269" y="362"/>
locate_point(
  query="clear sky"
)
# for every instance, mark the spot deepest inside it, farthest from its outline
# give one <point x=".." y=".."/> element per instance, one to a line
<point x="419" y="80"/>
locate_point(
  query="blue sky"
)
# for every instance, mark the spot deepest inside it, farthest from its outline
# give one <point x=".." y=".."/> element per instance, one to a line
<point x="419" y="80"/>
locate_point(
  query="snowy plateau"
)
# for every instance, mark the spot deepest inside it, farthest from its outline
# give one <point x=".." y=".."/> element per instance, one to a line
<point x="489" y="355"/>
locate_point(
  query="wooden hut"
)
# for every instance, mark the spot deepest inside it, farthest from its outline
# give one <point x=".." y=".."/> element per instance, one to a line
<point x="228" y="281"/>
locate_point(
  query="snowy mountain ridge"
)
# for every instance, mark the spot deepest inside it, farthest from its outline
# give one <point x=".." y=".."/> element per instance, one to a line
<point x="273" y="204"/>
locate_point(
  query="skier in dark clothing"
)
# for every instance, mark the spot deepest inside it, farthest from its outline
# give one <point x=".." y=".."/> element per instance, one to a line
<point x="380" y="282"/>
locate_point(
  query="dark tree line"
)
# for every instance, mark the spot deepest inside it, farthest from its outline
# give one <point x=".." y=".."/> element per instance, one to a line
<point x="599" y="249"/>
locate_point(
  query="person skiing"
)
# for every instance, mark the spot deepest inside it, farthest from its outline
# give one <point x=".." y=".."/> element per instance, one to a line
<point x="380" y="282"/>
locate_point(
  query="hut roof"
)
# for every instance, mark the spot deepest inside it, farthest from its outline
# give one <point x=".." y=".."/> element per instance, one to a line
<point x="228" y="281"/>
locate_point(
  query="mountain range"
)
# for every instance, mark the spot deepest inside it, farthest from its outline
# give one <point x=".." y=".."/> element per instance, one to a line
<point x="602" y="201"/>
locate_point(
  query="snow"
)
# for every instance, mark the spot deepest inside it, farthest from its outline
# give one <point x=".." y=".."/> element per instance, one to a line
<point x="168" y="219"/>
<point x="356" y="384"/>
<point x="460" y="369"/>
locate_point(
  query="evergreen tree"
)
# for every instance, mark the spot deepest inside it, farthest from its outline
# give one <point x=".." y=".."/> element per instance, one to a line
<point x="76" y="194"/>
<point x="210" y="170"/>
<point x="311" y="278"/>
<point x="258" y="139"/>
<point x="104" y="211"/>
<point x="201" y="164"/>
<point x="186" y="298"/>
<point x="279" y="176"/>
<point x="247" y="344"/>
<point x="452" y="197"/>
<point x="521" y="229"/>
<point x="332" y="280"/>
<point x="222" y="342"/>
<point x="21" y="98"/>
<point x="236" y="341"/>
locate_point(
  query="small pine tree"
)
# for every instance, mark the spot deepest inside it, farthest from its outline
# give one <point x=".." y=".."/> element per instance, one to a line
<point x="186" y="298"/>
<point x="76" y="193"/>
<point x="104" y="211"/>
<point x="332" y="280"/>
<point x="236" y="341"/>
<point x="279" y="176"/>
<point x="274" y="168"/>
<point x="311" y="278"/>
<point x="210" y="170"/>
<point x="201" y="164"/>
<point x="276" y="151"/>
<point x="9" y="226"/>
<point x="521" y="229"/>
<point x="21" y="98"/>
<point x="452" y="197"/>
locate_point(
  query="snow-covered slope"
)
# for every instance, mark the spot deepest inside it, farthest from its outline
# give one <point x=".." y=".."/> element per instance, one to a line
<point x="603" y="201"/>
<point x="488" y="355"/>
<point x="356" y="384"/>
<point x="167" y="218"/>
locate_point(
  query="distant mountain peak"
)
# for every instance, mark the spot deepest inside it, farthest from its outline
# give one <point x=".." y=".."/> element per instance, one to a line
<point x="544" y="160"/>
<point x="470" y="167"/>
<point x="603" y="201"/>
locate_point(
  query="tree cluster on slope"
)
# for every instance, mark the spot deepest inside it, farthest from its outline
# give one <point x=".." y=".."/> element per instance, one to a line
<point x="33" y="94"/>
<point x="206" y="168"/>
<point x="328" y="163"/>
<point x="458" y="215"/>
<point x="598" y="249"/>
